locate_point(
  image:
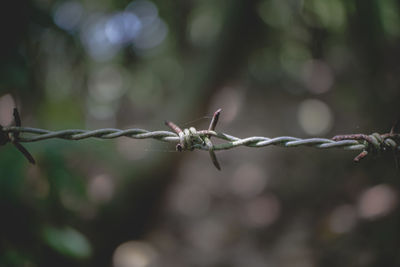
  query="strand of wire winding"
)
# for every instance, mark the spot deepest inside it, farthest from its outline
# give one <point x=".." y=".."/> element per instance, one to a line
<point x="255" y="141"/>
<point x="190" y="139"/>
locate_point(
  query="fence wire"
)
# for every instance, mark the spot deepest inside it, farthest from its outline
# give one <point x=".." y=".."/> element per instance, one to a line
<point x="191" y="139"/>
<point x="35" y="135"/>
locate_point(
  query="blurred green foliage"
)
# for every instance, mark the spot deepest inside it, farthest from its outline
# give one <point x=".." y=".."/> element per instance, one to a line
<point x="67" y="242"/>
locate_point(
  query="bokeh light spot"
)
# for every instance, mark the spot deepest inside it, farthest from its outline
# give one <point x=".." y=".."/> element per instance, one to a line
<point x="318" y="76"/>
<point x="122" y="28"/>
<point x="101" y="188"/>
<point x="134" y="254"/>
<point x="377" y="201"/>
<point x="315" y="117"/>
<point x="68" y="15"/>
<point x="144" y="9"/>
<point x="95" y="40"/>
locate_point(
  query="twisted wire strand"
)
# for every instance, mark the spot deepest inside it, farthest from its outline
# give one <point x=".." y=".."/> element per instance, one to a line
<point x="34" y="134"/>
<point x="190" y="139"/>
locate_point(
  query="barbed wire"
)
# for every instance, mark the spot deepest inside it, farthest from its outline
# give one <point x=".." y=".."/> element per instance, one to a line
<point x="191" y="139"/>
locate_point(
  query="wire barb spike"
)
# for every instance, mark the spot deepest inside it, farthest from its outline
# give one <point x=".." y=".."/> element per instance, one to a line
<point x="189" y="139"/>
<point x="13" y="137"/>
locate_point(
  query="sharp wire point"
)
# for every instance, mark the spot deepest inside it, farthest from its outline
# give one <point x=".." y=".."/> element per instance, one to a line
<point x="214" y="120"/>
<point x="214" y="160"/>
<point x="17" y="120"/>
<point x="25" y="152"/>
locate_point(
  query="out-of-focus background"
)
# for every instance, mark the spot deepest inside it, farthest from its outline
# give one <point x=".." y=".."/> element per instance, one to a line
<point x="276" y="67"/>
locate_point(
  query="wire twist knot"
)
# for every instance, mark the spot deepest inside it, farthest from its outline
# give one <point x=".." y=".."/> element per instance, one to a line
<point x="13" y="137"/>
<point x="189" y="139"/>
<point x="374" y="143"/>
<point x="379" y="143"/>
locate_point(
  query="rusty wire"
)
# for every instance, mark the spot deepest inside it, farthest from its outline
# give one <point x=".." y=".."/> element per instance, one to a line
<point x="191" y="139"/>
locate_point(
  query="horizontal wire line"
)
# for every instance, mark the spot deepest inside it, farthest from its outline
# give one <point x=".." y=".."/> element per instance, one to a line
<point x="35" y="134"/>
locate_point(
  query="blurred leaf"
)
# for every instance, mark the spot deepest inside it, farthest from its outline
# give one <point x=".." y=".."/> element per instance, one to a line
<point x="67" y="241"/>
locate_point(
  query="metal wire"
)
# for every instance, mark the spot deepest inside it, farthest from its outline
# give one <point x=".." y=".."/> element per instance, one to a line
<point x="190" y="139"/>
<point x="34" y="135"/>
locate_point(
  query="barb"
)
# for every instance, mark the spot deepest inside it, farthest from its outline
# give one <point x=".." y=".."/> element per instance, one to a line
<point x="191" y="139"/>
<point x="13" y="137"/>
